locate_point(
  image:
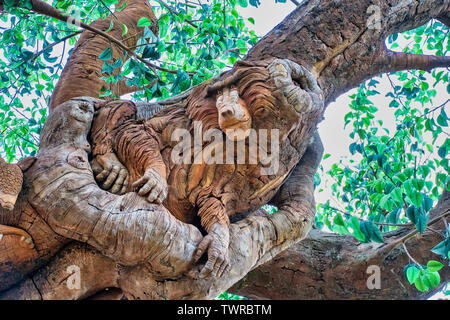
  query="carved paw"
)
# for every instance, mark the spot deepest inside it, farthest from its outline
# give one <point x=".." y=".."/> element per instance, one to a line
<point x="216" y="243"/>
<point x="152" y="186"/>
<point x="298" y="85"/>
<point x="110" y="173"/>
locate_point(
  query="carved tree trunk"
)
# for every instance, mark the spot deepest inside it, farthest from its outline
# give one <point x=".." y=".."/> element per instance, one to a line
<point x="140" y="248"/>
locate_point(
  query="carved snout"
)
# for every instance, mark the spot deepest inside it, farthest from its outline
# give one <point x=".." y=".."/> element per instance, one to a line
<point x="234" y="118"/>
<point x="230" y="106"/>
<point x="233" y="111"/>
<point x="227" y="112"/>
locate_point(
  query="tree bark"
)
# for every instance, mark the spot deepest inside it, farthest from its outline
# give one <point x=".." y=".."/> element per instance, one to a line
<point x="330" y="266"/>
<point x="143" y="249"/>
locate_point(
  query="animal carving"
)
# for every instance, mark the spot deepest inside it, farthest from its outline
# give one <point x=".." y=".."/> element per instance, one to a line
<point x="278" y="97"/>
<point x="16" y="246"/>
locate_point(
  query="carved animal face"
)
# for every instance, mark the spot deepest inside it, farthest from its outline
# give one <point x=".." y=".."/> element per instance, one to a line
<point x="276" y="95"/>
<point x="234" y="118"/>
<point x="279" y="96"/>
<point x="69" y="124"/>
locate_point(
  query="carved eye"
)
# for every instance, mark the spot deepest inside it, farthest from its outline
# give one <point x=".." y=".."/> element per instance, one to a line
<point x="261" y="111"/>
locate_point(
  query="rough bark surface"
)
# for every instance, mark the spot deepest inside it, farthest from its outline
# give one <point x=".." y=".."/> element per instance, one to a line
<point x="329" y="266"/>
<point x="126" y="242"/>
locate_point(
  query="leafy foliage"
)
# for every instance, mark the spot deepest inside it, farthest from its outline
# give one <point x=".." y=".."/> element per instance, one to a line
<point x="196" y="42"/>
<point x="395" y="177"/>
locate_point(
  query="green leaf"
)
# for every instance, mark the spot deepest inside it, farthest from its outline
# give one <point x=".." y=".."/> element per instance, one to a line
<point x="394" y="216"/>
<point x="412" y="273"/>
<point x="433" y="278"/>
<point x="338" y="220"/>
<point x="386" y="202"/>
<point x="416" y="198"/>
<point x="105" y="55"/>
<point x="442" y="248"/>
<point x="182" y="82"/>
<point x="371" y="232"/>
<point x="111" y="25"/>
<point x="243" y="3"/>
<point x="427" y="204"/>
<point x="420" y="285"/>
<point x="434" y="265"/>
<point x="442" y="151"/>
<point x="164" y="23"/>
<point x="397" y="195"/>
<point x="441" y="121"/>
<point x="418" y="184"/>
<point x="144" y="21"/>
<point x="421" y="219"/>
<point x="354" y="224"/>
<point x="124" y="29"/>
<point x="151" y="53"/>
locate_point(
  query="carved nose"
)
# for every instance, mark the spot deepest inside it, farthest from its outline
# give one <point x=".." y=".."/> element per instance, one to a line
<point x="227" y="113"/>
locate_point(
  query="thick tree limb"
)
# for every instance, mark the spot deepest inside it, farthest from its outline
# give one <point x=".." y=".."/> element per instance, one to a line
<point x="81" y="75"/>
<point x="395" y="61"/>
<point x="342" y="40"/>
<point x="330" y="266"/>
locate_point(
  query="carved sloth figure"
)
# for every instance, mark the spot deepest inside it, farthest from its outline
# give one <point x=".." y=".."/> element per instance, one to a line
<point x="130" y="154"/>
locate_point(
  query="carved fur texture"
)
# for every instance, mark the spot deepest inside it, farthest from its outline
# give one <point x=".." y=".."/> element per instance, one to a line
<point x="275" y="95"/>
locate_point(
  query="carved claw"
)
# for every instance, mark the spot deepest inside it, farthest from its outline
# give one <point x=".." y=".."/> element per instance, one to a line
<point x="152" y="186"/>
<point x="298" y="85"/>
<point x="111" y="173"/>
<point x="216" y="243"/>
<point x="24" y="239"/>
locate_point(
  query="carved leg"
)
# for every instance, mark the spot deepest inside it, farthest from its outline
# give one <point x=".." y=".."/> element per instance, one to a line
<point x="216" y="222"/>
<point x="296" y="197"/>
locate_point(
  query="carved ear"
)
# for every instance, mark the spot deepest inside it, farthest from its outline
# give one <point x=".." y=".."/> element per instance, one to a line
<point x="298" y="85"/>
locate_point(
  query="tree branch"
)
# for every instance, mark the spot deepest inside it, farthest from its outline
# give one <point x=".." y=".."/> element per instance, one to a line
<point x="331" y="266"/>
<point x="395" y="61"/>
<point x="81" y="75"/>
